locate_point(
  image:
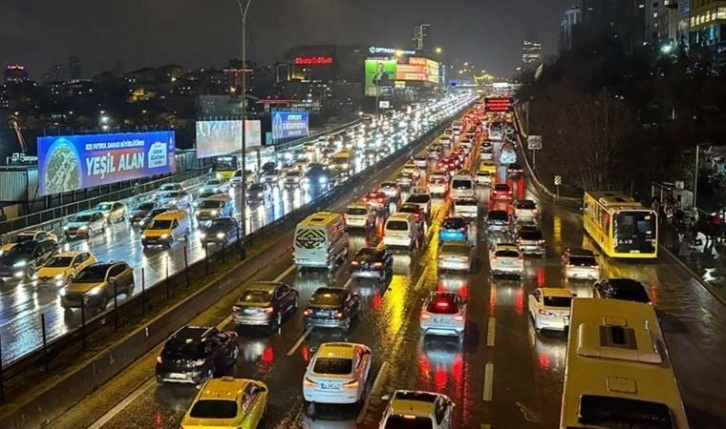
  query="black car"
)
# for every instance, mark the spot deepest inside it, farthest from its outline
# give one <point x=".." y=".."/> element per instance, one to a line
<point x="318" y="175"/>
<point x="257" y="193"/>
<point x="21" y="260"/>
<point x="332" y="308"/>
<point x="222" y="230"/>
<point x="143" y="223"/>
<point x="265" y="304"/>
<point x="194" y="354"/>
<point x="371" y="262"/>
<point x="141" y="211"/>
<point x="621" y="288"/>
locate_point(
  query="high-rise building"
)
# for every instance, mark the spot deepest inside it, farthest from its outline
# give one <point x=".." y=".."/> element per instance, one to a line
<point x="74" y="67"/>
<point x="708" y="25"/>
<point x="568" y="25"/>
<point x="624" y="18"/>
<point x="421" y="37"/>
<point x="661" y="21"/>
<point x="16" y="73"/>
<point x="531" y="53"/>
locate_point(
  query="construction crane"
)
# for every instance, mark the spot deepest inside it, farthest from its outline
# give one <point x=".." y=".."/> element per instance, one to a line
<point x="19" y="134"/>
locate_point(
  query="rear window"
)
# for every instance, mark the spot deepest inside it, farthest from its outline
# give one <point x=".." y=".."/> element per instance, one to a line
<point x="339" y="366"/>
<point x="408" y="422"/>
<point x="356" y="211"/>
<point x="583" y="261"/>
<point x="498" y="215"/>
<point x="465" y="203"/>
<point x="397" y="225"/>
<point x="418" y="199"/>
<point x="214" y="409"/>
<point x="326" y="297"/>
<point x="501" y="188"/>
<point x="614" y="412"/>
<point x="530" y="235"/>
<point x="454" y="223"/>
<point x="443" y="305"/>
<point x="256" y="296"/>
<point x="557" y="301"/>
<point x="506" y="254"/>
<point x="527" y="205"/>
<point x="461" y="184"/>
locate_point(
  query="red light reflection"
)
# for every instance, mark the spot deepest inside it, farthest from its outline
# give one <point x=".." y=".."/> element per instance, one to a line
<point x="492" y="301"/>
<point x="268" y="355"/>
<point x="377" y="300"/>
<point x="457" y="368"/>
<point x="464" y="291"/>
<point x="520" y="189"/>
<point x="544" y="361"/>
<point x="541" y="277"/>
<point x="159" y="419"/>
<point x="424" y="366"/>
<point x="305" y="351"/>
<point x="440" y="377"/>
<point x="519" y="303"/>
<point x="653" y="294"/>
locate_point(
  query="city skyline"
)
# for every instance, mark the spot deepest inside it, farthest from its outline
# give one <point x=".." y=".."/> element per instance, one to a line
<point x="486" y="33"/>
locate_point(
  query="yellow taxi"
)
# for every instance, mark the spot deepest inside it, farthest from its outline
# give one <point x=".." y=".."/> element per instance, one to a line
<point x="63" y="267"/>
<point x="228" y="402"/>
<point x="488" y="166"/>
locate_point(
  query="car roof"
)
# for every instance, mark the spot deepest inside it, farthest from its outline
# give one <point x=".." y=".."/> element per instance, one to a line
<point x="169" y="215"/>
<point x="339" y="350"/>
<point x="69" y="254"/>
<point x="556" y="292"/>
<point x="358" y="205"/>
<point x="263" y="286"/>
<point x="581" y="252"/>
<point x="227" y="387"/>
<point x="414" y="402"/>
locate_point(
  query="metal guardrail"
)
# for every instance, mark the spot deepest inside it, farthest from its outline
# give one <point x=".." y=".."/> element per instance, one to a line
<point x="198" y="270"/>
<point x="303" y="140"/>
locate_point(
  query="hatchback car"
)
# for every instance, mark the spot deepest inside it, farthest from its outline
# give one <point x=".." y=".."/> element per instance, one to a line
<point x="97" y="284"/>
<point x="195" y="354"/>
<point x="406" y="179"/>
<point x="265" y="303"/>
<point x="483" y="178"/>
<point x="141" y="211"/>
<point x="443" y="313"/>
<point x="391" y="189"/>
<point x="549" y="308"/>
<point x="454" y="229"/>
<point x="531" y="241"/>
<point x="621" y="288"/>
<point x="332" y="308"/>
<point x="421" y="198"/>
<point x="228" y="402"/>
<point x="455" y="256"/>
<point x="525" y="210"/>
<point x="371" y="262"/>
<point x="63" y="267"/>
<point x="466" y="207"/>
<point x="580" y="264"/>
<point x="506" y="259"/>
<point x="360" y="215"/>
<point x="501" y="192"/>
<point x="498" y="220"/>
<point x="337" y="374"/>
<point x="376" y="199"/>
<point x="438" y="183"/>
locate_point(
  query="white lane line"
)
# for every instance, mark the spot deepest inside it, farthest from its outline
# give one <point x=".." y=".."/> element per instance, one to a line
<point x="299" y="341"/>
<point x="350" y="280"/>
<point x="491" y="331"/>
<point x="488" y="381"/>
<point x="367" y="403"/>
<point x="421" y="279"/>
<point x="284" y="274"/>
<point x="113" y="412"/>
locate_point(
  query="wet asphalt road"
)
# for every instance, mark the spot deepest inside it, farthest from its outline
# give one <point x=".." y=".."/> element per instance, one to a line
<point x="505" y="375"/>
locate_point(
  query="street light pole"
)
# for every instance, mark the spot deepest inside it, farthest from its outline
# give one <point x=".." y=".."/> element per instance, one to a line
<point x="243" y="15"/>
<point x="695" y="179"/>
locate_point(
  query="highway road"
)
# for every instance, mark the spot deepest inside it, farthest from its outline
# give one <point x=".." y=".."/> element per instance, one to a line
<point x="505" y="375"/>
<point x="22" y="304"/>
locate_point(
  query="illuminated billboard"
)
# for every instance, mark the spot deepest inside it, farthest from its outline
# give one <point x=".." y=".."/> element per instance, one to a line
<point x="217" y="138"/>
<point x="498" y="104"/>
<point x="309" y="61"/>
<point x="432" y="71"/>
<point x="379" y="75"/>
<point x="70" y="163"/>
<point x="290" y="124"/>
<point x="418" y="69"/>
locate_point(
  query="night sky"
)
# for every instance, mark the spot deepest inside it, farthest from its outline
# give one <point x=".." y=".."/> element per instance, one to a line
<point x="195" y="33"/>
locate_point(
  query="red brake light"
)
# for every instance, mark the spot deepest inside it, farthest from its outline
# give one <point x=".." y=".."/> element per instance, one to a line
<point x="442" y="304"/>
<point x="338" y="314"/>
<point x="307" y="312"/>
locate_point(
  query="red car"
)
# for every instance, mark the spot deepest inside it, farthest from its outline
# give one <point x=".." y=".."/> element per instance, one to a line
<point x="501" y="192"/>
<point x="376" y="199"/>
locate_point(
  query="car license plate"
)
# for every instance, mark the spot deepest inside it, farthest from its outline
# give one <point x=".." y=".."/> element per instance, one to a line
<point x="330" y="386"/>
<point x="250" y="310"/>
<point x="177" y="376"/>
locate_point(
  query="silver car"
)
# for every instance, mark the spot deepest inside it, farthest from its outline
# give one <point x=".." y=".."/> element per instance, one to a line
<point x="444" y="313"/>
<point x="178" y="199"/>
<point x="455" y="255"/>
<point x="85" y="225"/>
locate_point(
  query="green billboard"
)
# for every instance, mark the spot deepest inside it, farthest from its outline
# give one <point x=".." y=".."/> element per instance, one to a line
<point x="380" y="76"/>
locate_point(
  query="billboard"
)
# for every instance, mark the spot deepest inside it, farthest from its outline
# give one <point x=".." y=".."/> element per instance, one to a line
<point x="379" y="74"/>
<point x="290" y="124"/>
<point x="311" y="61"/>
<point x="498" y="104"/>
<point x="217" y="138"/>
<point x="432" y="71"/>
<point x="69" y="163"/>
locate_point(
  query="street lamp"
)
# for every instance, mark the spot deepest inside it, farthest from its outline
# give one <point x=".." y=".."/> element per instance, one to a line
<point x="438" y="50"/>
<point x="243" y="16"/>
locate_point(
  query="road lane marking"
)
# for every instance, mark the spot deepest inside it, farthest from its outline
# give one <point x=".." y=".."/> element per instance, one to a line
<point x="350" y="280"/>
<point x="299" y="341"/>
<point x="284" y="274"/>
<point x="491" y="331"/>
<point x="488" y="381"/>
<point x="113" y="412"/>
<point x="421" y="279"/>
<point x="367" y="403"/>
<point x="485" y="426"/>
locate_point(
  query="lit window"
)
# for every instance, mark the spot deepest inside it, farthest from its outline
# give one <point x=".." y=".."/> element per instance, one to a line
<point x="722" y="13"/>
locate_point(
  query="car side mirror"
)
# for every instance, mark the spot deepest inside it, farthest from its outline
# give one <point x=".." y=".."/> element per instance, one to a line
<point x="574" y="295"/>
<point x="313" y="350"/>
<point x="386" y="397"/>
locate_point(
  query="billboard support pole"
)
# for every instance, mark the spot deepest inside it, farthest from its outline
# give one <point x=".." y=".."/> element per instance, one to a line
<point x="243" y="15"/>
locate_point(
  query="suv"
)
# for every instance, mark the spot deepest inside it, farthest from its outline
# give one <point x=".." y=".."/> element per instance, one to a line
<point x="112" y="211"/>
<point x="417" y="409"/>
<point x="506" y="259"/>
<point x="580" y="264"/>
<point x="21" y="260"/>
<point x="97" y="284"/>
<point x="194" y="354"/>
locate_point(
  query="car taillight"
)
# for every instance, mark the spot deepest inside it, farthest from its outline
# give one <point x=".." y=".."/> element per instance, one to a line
<point x="236" y="308"/>
<point x="307" y="312"/>
<point x="541" y="242"/>
<point x="355" y="263"/>
<point x="425" y="316"/>
<point x="338" y="314"/>
<point x="352" y="384"/>
<point x="544" y="312"/>
<point x="459" y="318"/>
<point x="269" y="309"/>
<point x="159" y="359"/>
<point x="310" y="383"/>
<point x="378" y="265"/>
<point x="462" y="229"/>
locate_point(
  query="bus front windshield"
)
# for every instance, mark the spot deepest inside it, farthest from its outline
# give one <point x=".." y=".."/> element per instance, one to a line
<point x="635" y="225"/>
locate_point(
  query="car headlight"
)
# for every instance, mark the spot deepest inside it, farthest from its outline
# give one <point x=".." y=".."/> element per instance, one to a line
<point x="323" y="180"/>
<point x="214" y="212"/>
<point x="215" y="190"/>
<point x="165" y="236"/>
<point x="57" y="276"/>
<point x="63" y="292"/>
<point x="221" y="235"/>
<point x="65" y="228"/>
<point x="105" y="215"/>
<point x="95" y="291"/>
<point x="20" y="264"/>
<point x="202" y="235"/>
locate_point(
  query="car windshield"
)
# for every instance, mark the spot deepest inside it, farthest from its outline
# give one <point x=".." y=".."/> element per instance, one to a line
<point x="256" y="296"/>
<point x="210" y="204"/>
<point x="461" y="184"/>
<point x="59" y="261"/>
<point x="455" y="249"/>
<point x="23" y="238"/>
<point x="172" y="194"/>
<point x="501" y="188"/>
<point x="103" y="207"/>
<point x="629" y="225"/>
<point x="397" y="225"/>
<point x="293" y="173"/>
<point x="327" y="297"/>
<point x="93" y="274"/>
<point x="454" y="223"/>
<point x="499" y="215"/>
<point x="557" y="301"/>
<point x="160" y="224"/>
<point x="526" y="204"/>
<point x="356" y="211"/>
<point x="206" y="194"/>
<point x="225" y="222"/>
<point x="530" y="235"/>
<point x="145" y="207"/>
<point x="583" y="261"/>
<point x="271" y="172"/>
<point x="629" y="292"/>
<point x="214" y="182"/>
<point x="506" y="254"/>
<point x="465" y="202"/>
<point x="330" y="365"/>
<point x="214" y="409"/>
<point x="443" y="304"/>
<point x="81" y="218"/>
<point x="156" y="212"/>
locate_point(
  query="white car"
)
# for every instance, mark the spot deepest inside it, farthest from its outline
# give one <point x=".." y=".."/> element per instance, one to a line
<point x="550" y="308"/>
<point x="421" y="161"/>
<point x="506" y="259"/>
<point x="455" y="256"/>
<point x="443" y="313"/>
<point x="525" y="210"/>
<point x="580" y="264"/>
<point x="360" y="215"/>
<point x="168" y="187"/>
<point x="483" y="178"/>
<point x="410" y="168"/>
<point x="220" y="186"/>
<point x="337" y="374"/>
<point x="179" y="199"/>
<point x="438" y="184"/>
<point x="466" y="208"/>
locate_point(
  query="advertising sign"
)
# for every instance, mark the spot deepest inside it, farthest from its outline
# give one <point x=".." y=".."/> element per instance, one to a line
<point x="498" y="104"/>
<point x="306" y="61"/>
<point x="69" y="163"/>
<point x="286" y="124"/>
<point x="432" y="71"/>
<point x="217" y="138"/>
<point x="534" y="142"/>
<point x="379" y="74"/>
<point x="378" y="50"/>
<point x="411" y="72"/>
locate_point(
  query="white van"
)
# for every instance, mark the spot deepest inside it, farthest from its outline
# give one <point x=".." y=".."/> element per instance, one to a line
<point x="462" y="185"/>
<point x="320" y="241"/>
<point x="401" y="230"/>
<point x="214" y="207"/>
